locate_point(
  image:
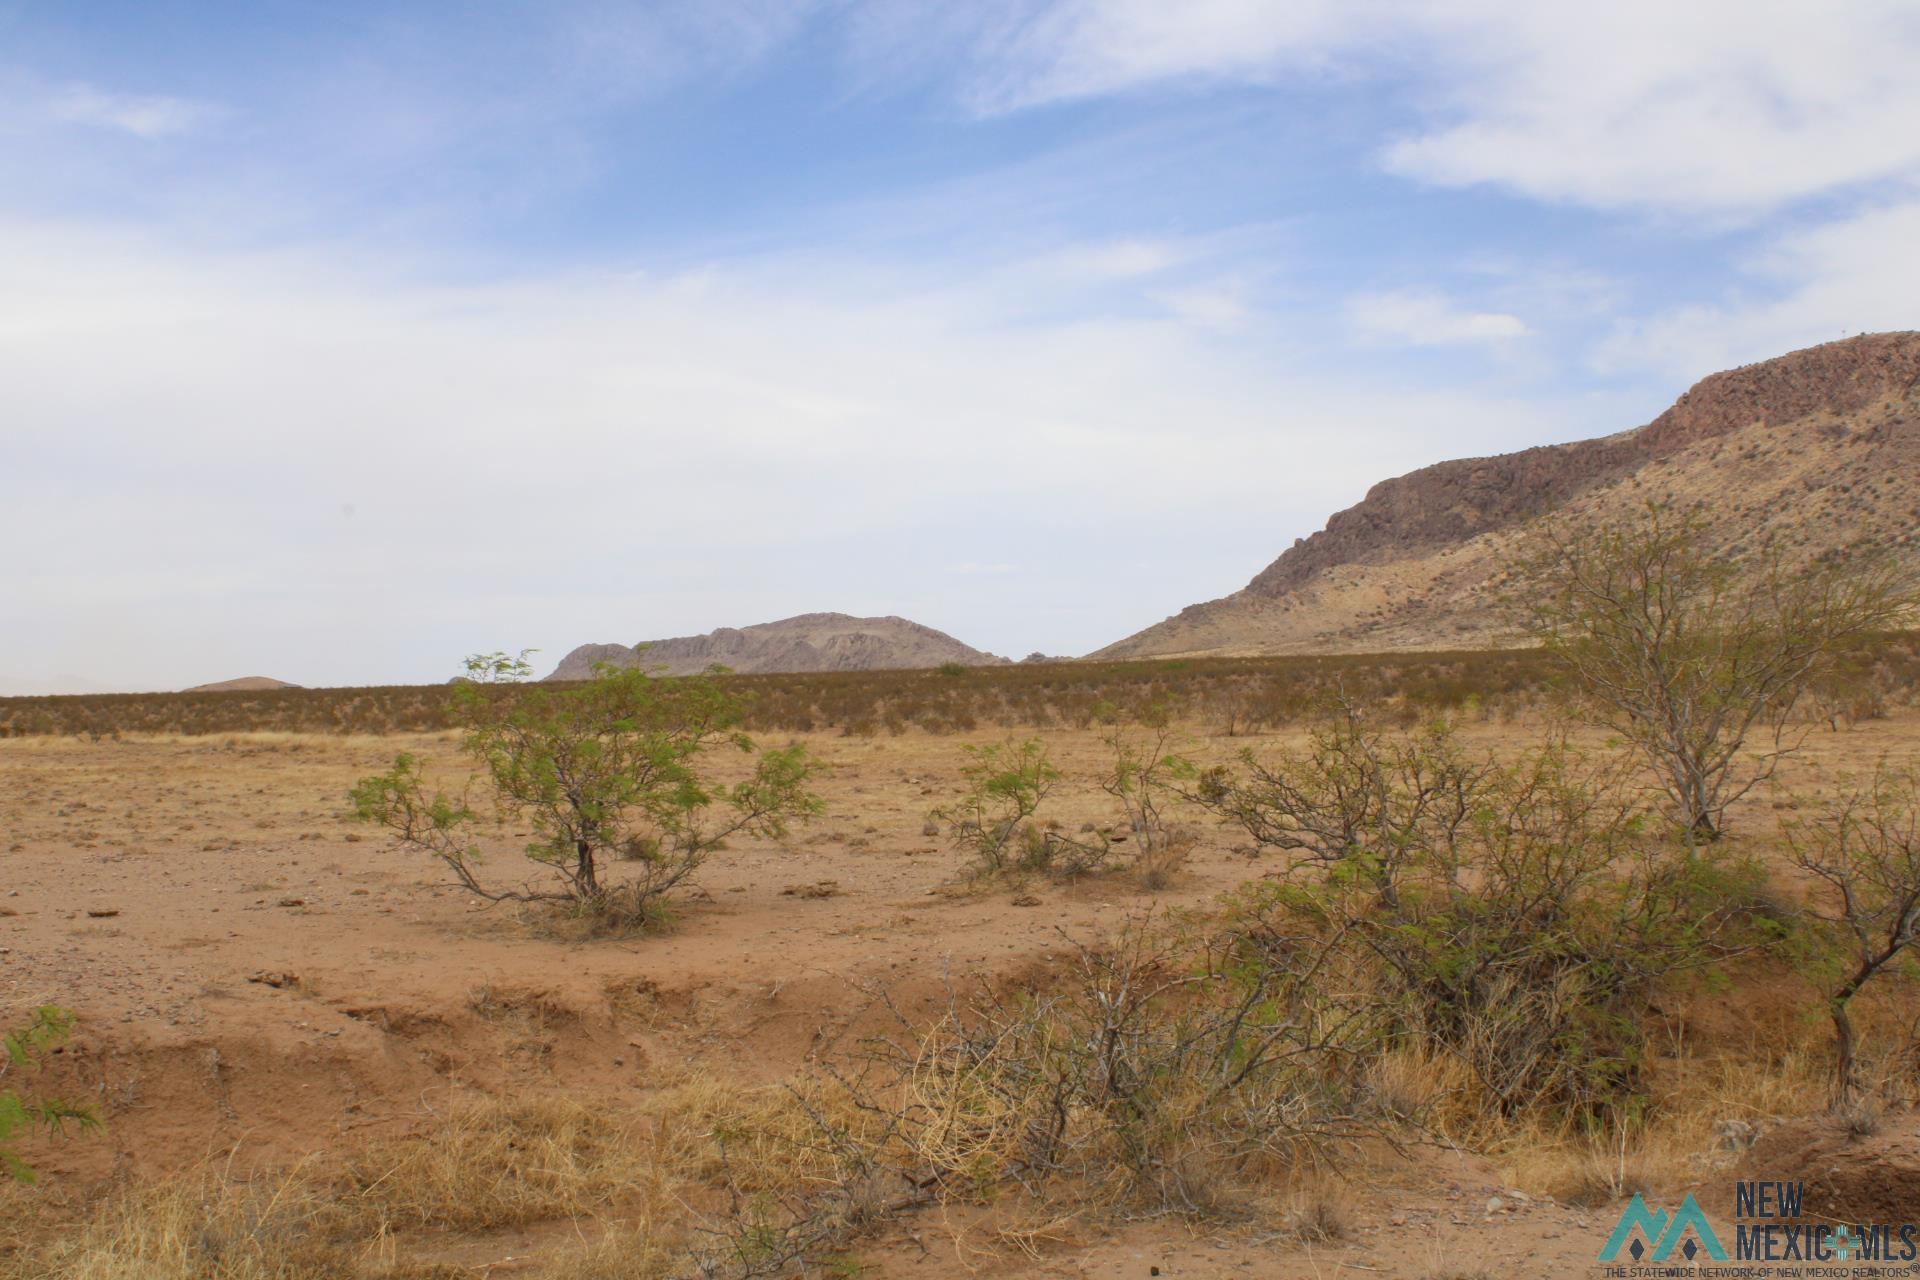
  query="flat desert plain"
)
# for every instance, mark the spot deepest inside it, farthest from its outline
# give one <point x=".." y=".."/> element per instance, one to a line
<point x="262" y="983"/>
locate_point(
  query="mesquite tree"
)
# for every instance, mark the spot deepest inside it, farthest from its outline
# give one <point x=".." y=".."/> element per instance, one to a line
<point x="1695" y="656"/>
<point x="1864" y="846"/>
<point x="608" y="774"/>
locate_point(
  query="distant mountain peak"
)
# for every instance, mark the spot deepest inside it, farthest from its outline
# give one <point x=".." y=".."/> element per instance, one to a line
<point x="805" y="642"/>
<point x="242" y="684"/>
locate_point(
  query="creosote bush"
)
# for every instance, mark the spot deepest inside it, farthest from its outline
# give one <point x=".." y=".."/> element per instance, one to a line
<point x="607" y="773"/>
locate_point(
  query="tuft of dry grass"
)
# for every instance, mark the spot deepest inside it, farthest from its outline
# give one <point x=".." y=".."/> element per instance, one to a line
<point x="1319" y="1213"/>
<point x="282" y="1227"/>
<point x="503" y="1162"/>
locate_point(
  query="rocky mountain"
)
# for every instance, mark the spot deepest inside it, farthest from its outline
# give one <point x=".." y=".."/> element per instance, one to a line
<point x="1819" y="449"/>
<point x="810" y="642"/>
<point x="243" y="684"/>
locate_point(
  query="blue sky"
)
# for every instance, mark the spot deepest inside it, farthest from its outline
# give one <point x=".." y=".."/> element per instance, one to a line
<point x="338" y="340"/>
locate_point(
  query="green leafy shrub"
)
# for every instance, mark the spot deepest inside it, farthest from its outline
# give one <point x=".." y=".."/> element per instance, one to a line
<point x="608" y="771"/>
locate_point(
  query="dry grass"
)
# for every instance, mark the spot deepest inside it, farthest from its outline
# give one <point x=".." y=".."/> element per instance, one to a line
<point x="631" y="1181"/>
<point x="703" y="1171"/>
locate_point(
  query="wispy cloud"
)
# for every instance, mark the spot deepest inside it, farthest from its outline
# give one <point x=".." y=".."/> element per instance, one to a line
<point x="583" y="455"/>
<point x="1719" y="106"/>
<point x="1808" y="284"/>
<point x="149" y="116"/>
<point x="1428" y="320"/>
<point x="759" y="305"/>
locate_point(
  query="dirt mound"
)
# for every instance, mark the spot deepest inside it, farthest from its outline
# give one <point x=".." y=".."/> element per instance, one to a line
<point x="809" y="642"/>
<point x="1819" y="448"/>
<point x="1873" y="1178"/>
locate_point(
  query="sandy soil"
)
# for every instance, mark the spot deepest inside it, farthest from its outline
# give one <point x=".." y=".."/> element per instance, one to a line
<point x="254" y="973"/>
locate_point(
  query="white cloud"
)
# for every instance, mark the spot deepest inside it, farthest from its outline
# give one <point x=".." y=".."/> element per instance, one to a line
<point x="1428" y="320"/>
<point x="149" y="116"/>
<point x="1727" y="107"/>
<point x="1811" y="284"/>
<point x="1222" y="307"/>
<point x="1127" y="259"/>
<point x="1718" y="106"/>
<point x="595" y="456"/>
<point x="1082" y="48"/>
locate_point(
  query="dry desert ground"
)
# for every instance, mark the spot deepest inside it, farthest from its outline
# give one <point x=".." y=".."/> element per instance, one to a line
<point x="262" y="983"/>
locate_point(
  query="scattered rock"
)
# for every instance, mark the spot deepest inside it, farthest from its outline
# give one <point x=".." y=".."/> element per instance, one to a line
<point x="103" y="913"/>
<point x="275" y="978"/>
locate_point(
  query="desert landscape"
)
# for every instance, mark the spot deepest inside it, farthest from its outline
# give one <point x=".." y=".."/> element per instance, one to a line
<point x="272" y="990"/>
<point x="778" y="640"/>
<point x="315" y="1013"/>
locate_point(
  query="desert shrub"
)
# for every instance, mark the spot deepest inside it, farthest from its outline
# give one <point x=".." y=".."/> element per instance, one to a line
<point x="1145" y="779"/>
<point x="1863" y="846"/>
<point x="994" y="820"/>
<point x="1238" y="695"/>
<point x="20" y="1051"/>
<point x="1172" y="1071"/>
<point x="1517" y="918"/>
<point x="605" y="771"/>
<point x="997" y="823"/>
<point x="1253" y="693"/>
<point x="1356" y="797"/>
<point x="1698" y="656"/>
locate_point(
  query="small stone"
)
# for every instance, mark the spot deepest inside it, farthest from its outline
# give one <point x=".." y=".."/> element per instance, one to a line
<point x="1495" y="1204"/>
<point x="1733" y="1135"/>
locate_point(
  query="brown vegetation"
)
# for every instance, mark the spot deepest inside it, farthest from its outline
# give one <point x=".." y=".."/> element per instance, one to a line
<point x="1225" y="695"/>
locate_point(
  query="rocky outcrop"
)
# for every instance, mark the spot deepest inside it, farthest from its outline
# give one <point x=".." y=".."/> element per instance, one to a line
<point x="809" y="642"/>
<point x="1344" y="586"/>
<point x="1453" y="501"/>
